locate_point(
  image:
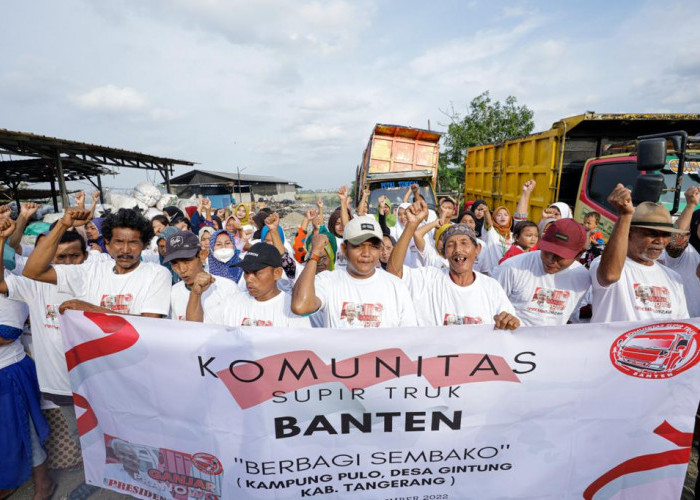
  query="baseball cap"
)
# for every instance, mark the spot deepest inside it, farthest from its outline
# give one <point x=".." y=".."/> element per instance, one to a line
<point x="650" y="215"/>
<point x="564" y="237"/>
<point x="361" y="229"/>
<point x="260" y="256"/>
<point x="181" y="245"/>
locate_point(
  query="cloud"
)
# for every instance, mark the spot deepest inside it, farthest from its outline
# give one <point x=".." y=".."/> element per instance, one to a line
<point x="112" y="98"/>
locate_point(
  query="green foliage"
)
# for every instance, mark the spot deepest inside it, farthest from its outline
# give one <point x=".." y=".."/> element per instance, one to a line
<point x="486" y="121"/>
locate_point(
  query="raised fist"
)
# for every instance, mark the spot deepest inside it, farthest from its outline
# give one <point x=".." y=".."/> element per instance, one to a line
<point x="202" y="282"/>
<point x="272" y="221"/>
<point x="76" y="217"/>
<point x="529" y="186"/>
<point x="621" y="200"/>
<point x="7" y="227"/>
<point x="318" y="244"/>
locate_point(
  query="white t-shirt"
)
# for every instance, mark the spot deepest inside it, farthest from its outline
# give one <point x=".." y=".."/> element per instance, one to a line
<point x="341" y="261"/>
<point x="643" y="292"/>
<point x="540" y="298"/>
<point x="381" y="300"/>
<point x="439" y="301"/>
<point x="13" y="314"/>
<point x="686" y="266"/>
<point x="246" y="311"/>
<point x="214" y="299"/>
<point x="44" y="300"/>
<point x="495" y="248"/>
<point x="146" y="289"/>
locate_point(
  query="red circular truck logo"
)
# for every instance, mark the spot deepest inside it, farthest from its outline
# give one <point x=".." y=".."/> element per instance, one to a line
<point x="657" y="351"/>
<point x="207" y="463"/>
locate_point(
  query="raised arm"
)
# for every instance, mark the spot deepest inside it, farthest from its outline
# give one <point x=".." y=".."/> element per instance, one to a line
<point x="692" y="198"/>
<point x="522" y="208"/>
<point x="419" y="235"/>
<point x="25" y="213"/>
<point x="415" y="214"/>
<point x="613" y="258"/>
<point x="272" y="222"/>
<point x="343" y="195"/>
<point x="304" y="299"/>
<point x="363" y="207"/>
<point x="382" y="211"/>
<point x="488" y="221"/>
<point x="7" y="228"/>
<point x="38" y="266"/>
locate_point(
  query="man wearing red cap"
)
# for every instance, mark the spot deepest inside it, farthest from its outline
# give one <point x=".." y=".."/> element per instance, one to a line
<point x="546" y="286"/>
<point x="628" y="283"/>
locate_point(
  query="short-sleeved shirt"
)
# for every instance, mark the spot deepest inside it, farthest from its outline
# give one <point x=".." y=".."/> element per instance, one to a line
<point x="245" y="310"/>
<point x="541" y="298"/>
<point x="439" y="301"/>
<point x="380" y="301"/>
<point x="220" y="295"/>
<point x="686" y="266"/>
<point x="642" y="292"/>
<point x="43" y="300"/>
<point x="146" y="289"/>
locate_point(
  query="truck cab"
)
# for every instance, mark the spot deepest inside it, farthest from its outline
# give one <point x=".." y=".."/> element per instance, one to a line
<point x="395" y="158"/>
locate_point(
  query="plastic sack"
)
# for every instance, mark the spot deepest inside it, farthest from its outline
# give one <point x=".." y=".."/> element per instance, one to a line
<point x="166" y="200"/>
<point x="147" y="193"/>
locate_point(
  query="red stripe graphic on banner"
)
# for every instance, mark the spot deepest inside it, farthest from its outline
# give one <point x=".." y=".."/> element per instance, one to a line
<point x="253" y="382"/>
<point x="88" y="420"/>
<point x="648" y="462"/>
<point x="121" y="336"/>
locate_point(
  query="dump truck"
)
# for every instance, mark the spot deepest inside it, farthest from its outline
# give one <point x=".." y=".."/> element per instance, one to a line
<point x="396" y="157"/>
<point x="578" y="161"/>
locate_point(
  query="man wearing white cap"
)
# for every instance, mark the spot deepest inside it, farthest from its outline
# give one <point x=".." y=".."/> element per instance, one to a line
<point x="628" y="283"/>
<point x="374" y="297"/>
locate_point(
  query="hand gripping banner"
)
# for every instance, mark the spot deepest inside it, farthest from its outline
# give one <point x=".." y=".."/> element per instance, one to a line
<point x="179" y="410"/>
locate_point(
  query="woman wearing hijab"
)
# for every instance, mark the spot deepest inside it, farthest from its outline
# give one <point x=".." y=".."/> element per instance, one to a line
<point x="480" y="209"/>
<point x="288" y="263"/>
<point x="242" y="213"/>
<point x="233" y="226"/>
<point x="559" y="210"/>
<point x="204" y="236"/>
<point x="223" y="254"/>
<point x="160" y="242"/>
<point x="331" y="250"/>
<point x="497" y="237"/>
<point x="93" y="231"/>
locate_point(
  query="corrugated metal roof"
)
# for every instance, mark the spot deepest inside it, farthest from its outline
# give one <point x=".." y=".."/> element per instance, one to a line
<point x="231" y="176"/>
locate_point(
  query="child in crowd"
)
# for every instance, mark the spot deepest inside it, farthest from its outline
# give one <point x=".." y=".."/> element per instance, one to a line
<point x="591" y="222"/>
<point x="525" y="237"/>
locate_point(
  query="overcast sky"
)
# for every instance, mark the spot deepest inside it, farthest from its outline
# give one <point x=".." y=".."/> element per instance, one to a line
<point x="294" y="88"/>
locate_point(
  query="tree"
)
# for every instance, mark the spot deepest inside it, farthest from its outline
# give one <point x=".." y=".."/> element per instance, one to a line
<point x="486" y="121"/>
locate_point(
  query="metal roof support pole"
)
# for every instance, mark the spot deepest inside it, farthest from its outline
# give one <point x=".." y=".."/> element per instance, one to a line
<point x="61" y="181"/>
<point x="15" y="194"/>
<point x="53" y="194"/>
<point x="99" y="188"/>
<point x="166" y="177"/>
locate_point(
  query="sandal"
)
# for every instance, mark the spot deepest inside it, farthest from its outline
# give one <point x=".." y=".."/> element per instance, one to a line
<point x="82" y="492"/>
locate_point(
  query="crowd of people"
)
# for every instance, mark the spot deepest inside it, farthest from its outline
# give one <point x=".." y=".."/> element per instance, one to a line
<point x="407" y="265"/>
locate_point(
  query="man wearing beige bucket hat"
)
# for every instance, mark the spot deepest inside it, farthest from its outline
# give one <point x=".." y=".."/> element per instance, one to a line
<point x="628" y="283"/>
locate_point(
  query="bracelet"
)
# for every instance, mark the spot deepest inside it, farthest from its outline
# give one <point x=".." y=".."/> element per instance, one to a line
<point x="519" y="215"/>
<point x="315" y="258"/>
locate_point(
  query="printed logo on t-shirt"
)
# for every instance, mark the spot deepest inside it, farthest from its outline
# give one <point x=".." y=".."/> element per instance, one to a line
<point x="652" y="298"/>
<point x="355" y="315"/>
<point x="549" y="301"/>
<point x="118" y="303"/>
<point x="256" y="322"/>
<point x="52" y="316"/>
<point x="454" y="319"/>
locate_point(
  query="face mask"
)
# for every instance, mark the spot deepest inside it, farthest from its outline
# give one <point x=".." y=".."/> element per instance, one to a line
<point x="224" y="254"/>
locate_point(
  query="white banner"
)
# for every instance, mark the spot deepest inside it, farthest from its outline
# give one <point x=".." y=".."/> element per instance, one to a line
<point x="180" y="410"/>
